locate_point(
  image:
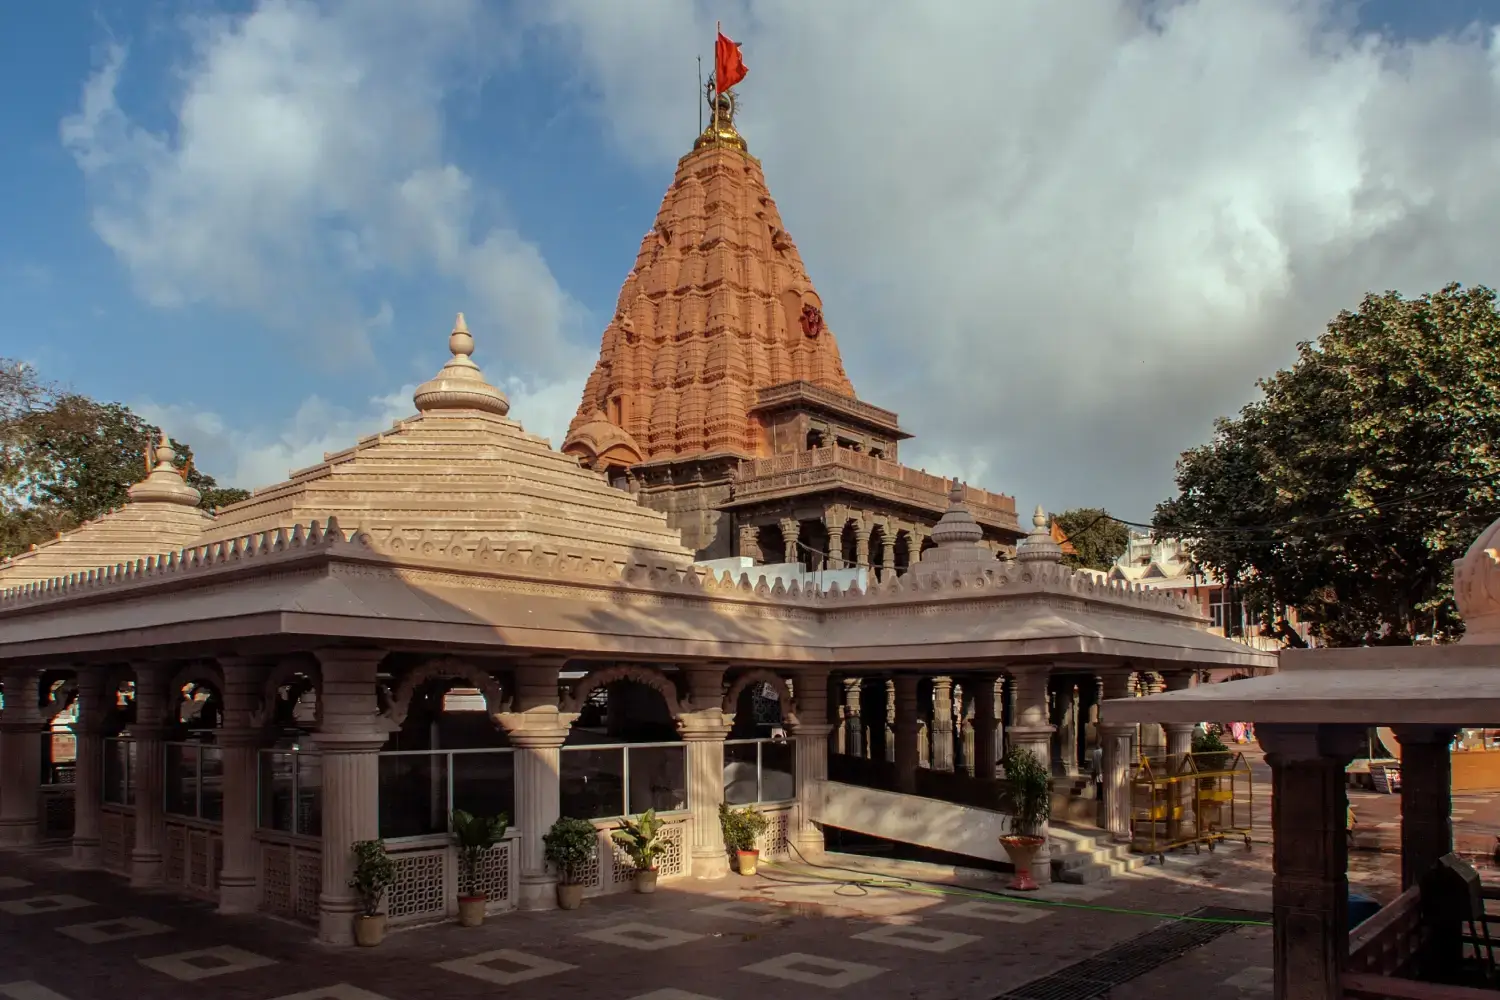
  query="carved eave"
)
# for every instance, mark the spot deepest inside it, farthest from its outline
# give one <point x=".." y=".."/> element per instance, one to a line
<point x="804" y="395"/>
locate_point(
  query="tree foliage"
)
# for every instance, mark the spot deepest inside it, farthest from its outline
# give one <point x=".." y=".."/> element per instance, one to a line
<point x="1365" y="469"/>
<point x="66" y="458"/>
<point x="1098" y="538"/>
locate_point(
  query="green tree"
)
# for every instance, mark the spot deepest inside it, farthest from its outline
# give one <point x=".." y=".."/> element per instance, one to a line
<point x="1367" y="467"/>
<point x="66" y="458"/>
<point x="1098" y="538"/>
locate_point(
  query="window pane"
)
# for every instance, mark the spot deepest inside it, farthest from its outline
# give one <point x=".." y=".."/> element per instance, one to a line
<point x="276" y="791"/>
<point x="130" y="781"/>
<point x="484" y="784"/>
<point x="658" y="778"/>
<point x="211" y="787"/>
<point x="115" y="764"/>
<point x="739" y="773"/>
<point x="309" y="794"/>
<point x="413" y="794"/>
<point x="182" y="780"/>
<point x="778" y="771"/>
<point x="592" y="783"/>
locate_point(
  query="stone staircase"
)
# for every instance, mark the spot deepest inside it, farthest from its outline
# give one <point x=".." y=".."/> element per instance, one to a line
<point x="1082" y="855"/>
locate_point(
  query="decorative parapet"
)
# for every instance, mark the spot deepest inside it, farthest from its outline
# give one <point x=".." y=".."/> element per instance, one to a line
<point x="792" y="393"/>
<point x="582" y="572"/>
<point x="765" y="478"/>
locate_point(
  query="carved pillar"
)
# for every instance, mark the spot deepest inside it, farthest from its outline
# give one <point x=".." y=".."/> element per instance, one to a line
<point x="1065" y="700"/>
<point x="790" y="532"/>
<point x="1002" y="701"/>
<point x="94" y="703"/>
<point x="811" y="734"/>
<point x="21" y="729"/>
<point x="887" y="552"/>
<point x="1310" y="883"/>
<point x="853" y="731"/>
<point x="1426" y="799"/>
<point x="907" y="732"/>
<point x="890" y="721"/>
<point x="1152" y="733"/>
<point x="1033" y="732"/>
<point x="862" y="545"/>
<point x="537" y="731"/>
<point x="1117" y="763"/>
<point x="150" y="761"/>
<point x="942" y="724"/>
<point x="703" y="730"/>
<point x="349" y="735"/>
<point x="986" y="728"/>
<point x="833" y="523"/>
<point x="750" y="542"/>
<point x="239" y="740"/>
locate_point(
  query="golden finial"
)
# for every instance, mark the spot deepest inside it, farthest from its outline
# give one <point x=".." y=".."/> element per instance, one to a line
<point x="721" y="130"/>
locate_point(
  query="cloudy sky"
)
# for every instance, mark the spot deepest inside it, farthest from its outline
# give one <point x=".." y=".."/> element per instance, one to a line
<point x="1058" y="238"/>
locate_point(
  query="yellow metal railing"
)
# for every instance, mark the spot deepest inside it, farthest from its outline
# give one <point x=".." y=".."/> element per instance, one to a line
<point x="1190" y="799"/>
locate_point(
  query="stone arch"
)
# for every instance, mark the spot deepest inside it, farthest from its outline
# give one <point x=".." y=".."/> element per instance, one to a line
<point x="446" y="668"/>
<point x="579" y="693"/>
<point x="282" y="675"/>
<point x="198" y="674"/>
<point x="763" y="676"/>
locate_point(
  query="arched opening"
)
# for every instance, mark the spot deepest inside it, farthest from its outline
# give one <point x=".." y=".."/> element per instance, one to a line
<point x="812" y="546"/>
<point x="849" y="544"/>
<point x="193" y="777"/>
<point x="877" y="551"/>
<point x="903" y="552"/>
<point x="759" y="756"/>
<point x="772" y="543"/>
<point x="289" y="776"/>
<point x="623" y="754"/>
<point x="815" y="439"/>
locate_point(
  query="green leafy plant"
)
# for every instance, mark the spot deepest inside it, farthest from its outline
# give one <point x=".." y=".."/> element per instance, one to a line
<point x="1209" y="751"/>
<point x="1027" y="794"/>
<point x="569" y="846"/>
<point x="475" y="836"/>
<point x="742" y="826"/>
<point x="642" y="841"/>
<point x="374" y="873"/>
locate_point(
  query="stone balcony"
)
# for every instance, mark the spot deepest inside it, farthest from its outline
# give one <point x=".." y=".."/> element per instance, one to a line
<point x="821" y="469"/>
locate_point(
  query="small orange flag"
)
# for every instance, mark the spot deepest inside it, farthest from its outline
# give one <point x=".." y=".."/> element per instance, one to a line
<point x="729" y="65"/>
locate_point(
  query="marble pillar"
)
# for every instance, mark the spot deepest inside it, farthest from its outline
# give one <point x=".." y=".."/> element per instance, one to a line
<point x="1309" y="857"/>
<point x="1426" y="799"/>
<point x="986" y="728"/>
<point x="1116" y="738"/>
<point x="21" y="728"/>
<point x="854" y="744"/>
<point x="350" y="733"/>
<point x="151" y="707"/>
<point x="704" y="729"/>
<point x="790" y="532"/>
<point x="537" y="731"/>
<point x="833" y="524"/>
<point x="942" y="724"/>
<point x="239" y="740"/>
<point x="1033" y="732"/>
<point x="907" y="732"/>
<point x="810" y="732"/>
<point x="94" y="703"/>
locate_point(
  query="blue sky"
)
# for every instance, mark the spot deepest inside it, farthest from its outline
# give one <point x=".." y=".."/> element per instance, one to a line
<point x="254" y="221"/>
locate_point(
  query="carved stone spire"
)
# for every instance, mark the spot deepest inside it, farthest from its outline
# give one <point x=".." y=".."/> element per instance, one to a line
<point x="164" y="483"/>
<point x="717" y="306"/>
<point x="1039" y="545"/>
<point x="958" y="538"/>
<point x="460" y="385"/>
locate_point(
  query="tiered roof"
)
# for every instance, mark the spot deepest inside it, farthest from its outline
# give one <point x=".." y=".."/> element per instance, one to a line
<point x="717" y="306"/>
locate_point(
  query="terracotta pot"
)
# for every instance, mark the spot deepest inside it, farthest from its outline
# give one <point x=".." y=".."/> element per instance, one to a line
<point x="471" y="910"/>
<point x="747" y="860"/>
<point x="645" y="880"/>
<point x="369" y="930"/>
<point x="1022" y="851"/>
<point x="569" y="896"/>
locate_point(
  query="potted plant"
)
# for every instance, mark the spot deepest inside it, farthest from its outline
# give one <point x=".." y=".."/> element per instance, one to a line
<point x="374" y="873"/>
<point x="1028" y="800"/>
<point x="569" y="846"/>
<point x="643" y="842"/>
<point x="741" y="828"/>
<point x="475" y="837"/>
<point x="1209" y="751"/>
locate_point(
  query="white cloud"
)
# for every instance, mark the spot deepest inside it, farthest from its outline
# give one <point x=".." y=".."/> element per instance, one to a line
<point x="249" y="457"/>
<point x="1062" y="237"/>
<point x="304" y="161"/>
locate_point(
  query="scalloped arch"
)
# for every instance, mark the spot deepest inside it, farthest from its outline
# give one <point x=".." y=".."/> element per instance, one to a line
<point x="446" y="668"/>
<point x="650" y="677"/>
<point x="761" y="675"/>
<point x="279" y="677"/>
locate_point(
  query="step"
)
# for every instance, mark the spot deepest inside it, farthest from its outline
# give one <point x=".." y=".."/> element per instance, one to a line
<point x="1080" y="857"/>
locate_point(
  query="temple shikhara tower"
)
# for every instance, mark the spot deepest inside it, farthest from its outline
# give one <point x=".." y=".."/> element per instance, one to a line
<point x="720" y="397"/>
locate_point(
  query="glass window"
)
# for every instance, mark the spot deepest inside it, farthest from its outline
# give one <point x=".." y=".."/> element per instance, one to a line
<point x="309" y="769"/>
<point x="118" y="759"/>
<point x="211" y="784"/>
<point x="413" y="794"/>
<point x="778" y="771"/>
<point x="592" y="782"/>
<point x="740" y="773"/>
<point x="181" y="779"/>
<point x="484" y="784"/>
<point x="276" y="791"/>
<point x="658" y="779"/>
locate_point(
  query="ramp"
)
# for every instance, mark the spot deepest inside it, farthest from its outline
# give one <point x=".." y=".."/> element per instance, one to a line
<point x="911" y="819"/>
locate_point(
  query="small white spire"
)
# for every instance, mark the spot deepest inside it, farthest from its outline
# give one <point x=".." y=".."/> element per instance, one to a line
<point x="164" y="484"/>
<point x="1039" y="545"/>
<point x="460" y="385"/>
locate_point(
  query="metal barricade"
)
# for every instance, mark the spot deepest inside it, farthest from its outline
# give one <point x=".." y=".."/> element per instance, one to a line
<point x="1190" y="799"/>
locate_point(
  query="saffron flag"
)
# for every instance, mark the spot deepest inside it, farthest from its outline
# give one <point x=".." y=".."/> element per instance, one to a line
<point x="729" y="65"/>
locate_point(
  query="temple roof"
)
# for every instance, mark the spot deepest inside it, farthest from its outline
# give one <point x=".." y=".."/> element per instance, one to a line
<point x="460" y="473"/>
<point x="717" y="306"/>
<point x="162" y="514"/>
